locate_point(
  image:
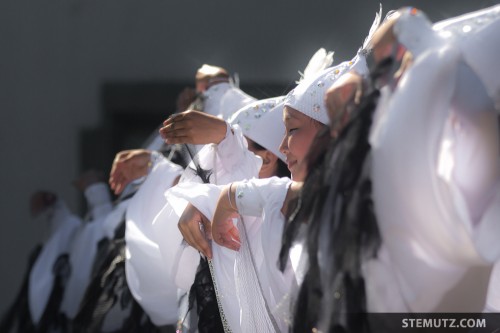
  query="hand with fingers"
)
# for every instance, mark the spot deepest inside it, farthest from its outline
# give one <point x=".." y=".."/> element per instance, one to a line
<point x="196" y="230"/>
<point x="224" y="232"/>
<point x="193" y="127"/>
<point x="128" y="165"/>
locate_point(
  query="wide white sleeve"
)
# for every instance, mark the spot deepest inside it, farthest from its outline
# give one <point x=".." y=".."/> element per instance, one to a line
<point x="431" y="242"/>
<point x="233" y="159"/>
<point x="481" y="52"/>
<point x="98" y="199"/>
<point x="256" y="195"/>
<point x="226" y="162"/>
<point x="493" y="297"/>
<point x="147" y="276"/>
<point x="203" y="196"/>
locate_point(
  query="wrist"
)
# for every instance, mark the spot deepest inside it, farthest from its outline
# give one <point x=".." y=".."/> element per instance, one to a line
<point x="231" y="198"/>
<point x="222" y="132"/>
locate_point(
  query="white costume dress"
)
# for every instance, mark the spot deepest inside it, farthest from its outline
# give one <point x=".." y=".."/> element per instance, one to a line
<point x="41" y="280"/>
<point x="84" y="247"/>
<point x="438" y="220"/>
<point x="229" y="161"/>
<point x="250" y="288"/>
<point x="145" y="286"/>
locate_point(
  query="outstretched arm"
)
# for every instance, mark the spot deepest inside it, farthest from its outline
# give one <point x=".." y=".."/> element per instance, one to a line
<point x="193" y="127"/>
<point x="128" y="166"/>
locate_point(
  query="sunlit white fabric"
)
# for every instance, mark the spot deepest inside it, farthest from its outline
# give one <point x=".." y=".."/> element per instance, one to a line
<point x="437" y="220"/>
<point x="41" y="280"/>
<point x="142" y="252"/>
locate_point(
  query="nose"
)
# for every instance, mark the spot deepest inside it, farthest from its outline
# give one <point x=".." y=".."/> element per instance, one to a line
<point x="284" y="145"/>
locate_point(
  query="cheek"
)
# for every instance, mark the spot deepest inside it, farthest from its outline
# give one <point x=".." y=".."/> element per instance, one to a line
<point x="306" y="139"/>
<point x="298" y="146"/>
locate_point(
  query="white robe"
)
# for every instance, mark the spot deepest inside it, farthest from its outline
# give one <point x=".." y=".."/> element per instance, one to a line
<point x="439" y="223"/>
<point x="176" y="264"/>
<point x="64" y="224"/>
<point x="263" y="199"/>
<point x="142" y="252"/>
<point x="254" y="293"/>
<point x="84" y="247"/>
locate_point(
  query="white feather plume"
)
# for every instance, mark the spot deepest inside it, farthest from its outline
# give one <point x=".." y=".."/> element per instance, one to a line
<point x="319" y="61"/>
<point x="373" y="28"/>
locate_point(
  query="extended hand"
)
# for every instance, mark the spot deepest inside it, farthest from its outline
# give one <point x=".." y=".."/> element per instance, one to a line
<point x="194" y="227"/>
<point x="128" y="165"/>
<point x="193" y="127"/>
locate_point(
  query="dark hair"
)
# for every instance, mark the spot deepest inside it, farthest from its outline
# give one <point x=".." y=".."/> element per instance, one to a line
<point x="340" y="216"/>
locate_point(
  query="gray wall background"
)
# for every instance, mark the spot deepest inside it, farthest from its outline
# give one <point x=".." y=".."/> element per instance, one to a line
<point x="55" y="55"/>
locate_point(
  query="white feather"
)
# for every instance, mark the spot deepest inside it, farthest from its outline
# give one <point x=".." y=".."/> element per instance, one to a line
<point x="373" y="28"/>
<point x="319" y="61"/>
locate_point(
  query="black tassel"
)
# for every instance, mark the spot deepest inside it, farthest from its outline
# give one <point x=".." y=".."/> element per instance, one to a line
<point x="18" y="315"/>
<point x="202" y="292"/>
<point x="199" y="171"/>
<point x="52" y="319"/>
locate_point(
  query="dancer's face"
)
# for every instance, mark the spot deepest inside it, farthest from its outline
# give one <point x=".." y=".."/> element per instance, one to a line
<point x="300" y="131"/>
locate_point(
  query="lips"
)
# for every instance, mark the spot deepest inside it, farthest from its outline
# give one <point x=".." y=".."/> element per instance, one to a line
<point x="290" y="164"/>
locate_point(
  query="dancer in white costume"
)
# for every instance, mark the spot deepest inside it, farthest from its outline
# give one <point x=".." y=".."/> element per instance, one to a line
<point x="304" y="116"/>
<point x="229" y="158"/>
<point x="437" y="218"/>
<point x="436" y="221"/>
<point x="261" y="124"/>
<point x="84" y="247"/>
<point x="63" y="225"/>
<point x="66" y="228"/>
<point x="153" y="292"/>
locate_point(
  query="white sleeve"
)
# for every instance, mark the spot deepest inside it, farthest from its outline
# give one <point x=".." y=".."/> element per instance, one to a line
<point x="493" y="296"/>
<point x="98" y="199"/>
<point x="256" y="195"/>
<point x="233" y="154"/>
<point x="203" y="196"/>
<point x="148" y="277"/>
<point x="228" y="161"/>
<point x="481" y="52"/>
